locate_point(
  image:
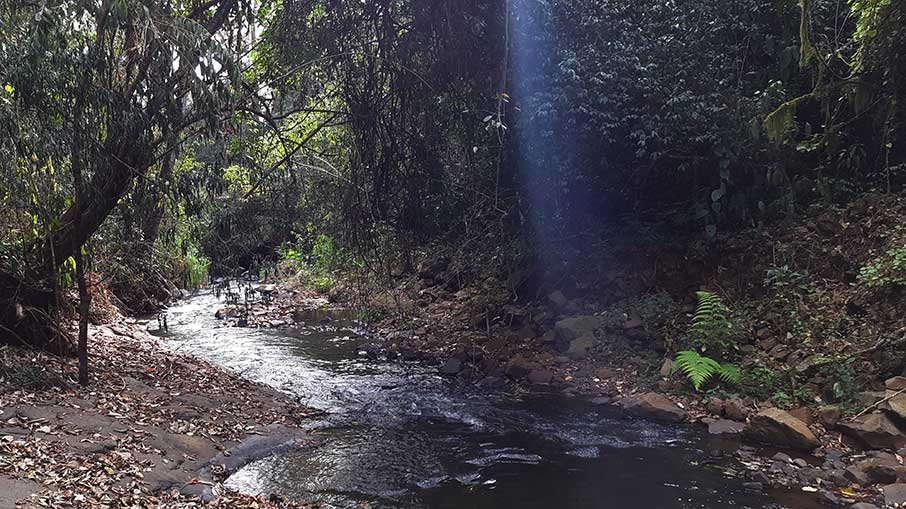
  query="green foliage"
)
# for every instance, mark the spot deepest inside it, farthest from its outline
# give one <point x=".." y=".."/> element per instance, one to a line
<point x="840" y="376"/>
<point x="888" y="269"/>
<point x="700" y="369"/>
<point x="711" y="328"/>
<point x="782" y="277"/>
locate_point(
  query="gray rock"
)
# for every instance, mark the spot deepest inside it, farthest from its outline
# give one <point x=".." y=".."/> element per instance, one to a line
<point x="576" y="326"/>
<point x="736" y="409"/>
<point x="653" y="406"/>
<point x="781" y="456"/>
<point x="863" y="505"/>
<point x="725" y="427"/>
<point x="12" y="489"/>
<point x="874" y="431"/>
<point x="578" y="348"/>
<point x="894" y="494"/>
<point x="775" y="426"/>
<point x="829" y="416"/>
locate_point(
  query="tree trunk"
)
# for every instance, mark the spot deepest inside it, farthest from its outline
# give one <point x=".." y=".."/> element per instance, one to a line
<point x="84" y="309"/>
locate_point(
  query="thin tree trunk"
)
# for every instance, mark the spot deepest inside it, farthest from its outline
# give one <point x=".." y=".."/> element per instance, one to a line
<point x="84" y="309"/>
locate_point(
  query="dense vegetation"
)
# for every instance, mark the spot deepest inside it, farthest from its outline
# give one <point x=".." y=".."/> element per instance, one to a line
<point x="163" y="140"/>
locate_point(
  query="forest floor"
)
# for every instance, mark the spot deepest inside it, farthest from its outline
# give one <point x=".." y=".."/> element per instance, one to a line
<point x="153" y="429"/>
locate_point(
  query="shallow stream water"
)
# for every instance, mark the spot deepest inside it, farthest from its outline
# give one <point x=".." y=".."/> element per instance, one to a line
<point x="399" y="435"/>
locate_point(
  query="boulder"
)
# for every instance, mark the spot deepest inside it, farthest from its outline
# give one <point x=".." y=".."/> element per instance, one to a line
<point x="775" y="426"/>
<point x="653" y="406"/>
<point x="519" y="367"/>
<point x="897" y="383"/>
<point x="804" y="414"/>
<point x="578" y="348"/>
<point x="876" y="471"/>
<point x="736" y="409"/>
<point x="894" y="494"/>
<point x="715" y="406"/>
<point x="863" y="505"/>
<point x="829" y="415"/>
<point x="576" y="326"/>
<point x="897" y="406"/>
<point x="874" y="431"/>
<point x="725" y="427"/>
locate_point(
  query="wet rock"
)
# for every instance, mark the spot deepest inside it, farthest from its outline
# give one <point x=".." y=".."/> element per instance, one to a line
<point x="874" y="431"/>
<point x="540" y="376"/>
<point x="451" y="367"/>
<point x="278" y="438"/>
<point x="863" y="505"/>
<point x="775" y="426"/>
<point x="578" y="348"/>
<point x="897" y="383"/>
<point x="894" y="494"/>
<point x="829" y="415"/>
<point x="519" y="367"/>
<point x="226" y="312"/>
<point x="725" y="427"/>
<point x="601" y="400"/>
<point x="653" y="406"/>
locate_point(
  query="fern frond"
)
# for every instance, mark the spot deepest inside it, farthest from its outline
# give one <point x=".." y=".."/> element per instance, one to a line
<point x="697" y="368"/>
<point x="730" y="373"/>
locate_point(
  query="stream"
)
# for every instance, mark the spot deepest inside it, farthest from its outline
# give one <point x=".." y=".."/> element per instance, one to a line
<point x="398" y="435"/>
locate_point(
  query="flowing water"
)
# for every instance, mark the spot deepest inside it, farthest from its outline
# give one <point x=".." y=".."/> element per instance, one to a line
<point x="399" y="435"/>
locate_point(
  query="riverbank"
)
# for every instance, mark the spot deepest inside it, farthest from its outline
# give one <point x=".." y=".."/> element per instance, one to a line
<point x="153" y="429"/>
<point x="814" y="308"/>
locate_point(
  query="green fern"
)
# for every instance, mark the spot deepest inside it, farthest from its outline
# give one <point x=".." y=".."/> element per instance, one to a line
<point x="729" y="373"/>
<point x="710" y="326"/>
<point x="700" y="369"/>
